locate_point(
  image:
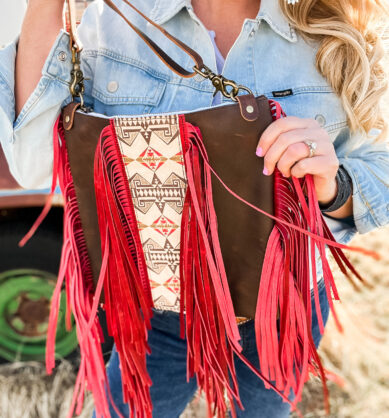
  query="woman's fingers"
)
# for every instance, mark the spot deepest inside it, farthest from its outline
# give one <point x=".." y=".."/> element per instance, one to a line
<point x="289" y="148"/>
<point x="281" y="126"/>
<point x="282" y="146"/>
<point x="322" y="166"/>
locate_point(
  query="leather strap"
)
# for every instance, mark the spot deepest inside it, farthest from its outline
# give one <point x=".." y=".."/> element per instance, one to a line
<point x="71" y="19"/>
<point x="173" y="65"/>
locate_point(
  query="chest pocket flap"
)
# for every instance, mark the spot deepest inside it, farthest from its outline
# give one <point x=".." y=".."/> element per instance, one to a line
<point x="123" y="81"/>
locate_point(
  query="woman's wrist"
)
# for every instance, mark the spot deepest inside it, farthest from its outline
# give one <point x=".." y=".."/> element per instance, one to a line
<point x="342" y="199"/>
<point x="326" y="195"/>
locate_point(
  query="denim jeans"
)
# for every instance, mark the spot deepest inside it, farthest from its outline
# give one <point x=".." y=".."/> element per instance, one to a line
<point x="170" y="392"/>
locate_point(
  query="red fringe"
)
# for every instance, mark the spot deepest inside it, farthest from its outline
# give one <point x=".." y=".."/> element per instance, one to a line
<point x="284" y="340"/>
<point x="284" y="297"/>
<point x="127" y="292"/>
<point x="210" y="324"/>
<point x="75" y="269"/>
<point x="205" y="292"/>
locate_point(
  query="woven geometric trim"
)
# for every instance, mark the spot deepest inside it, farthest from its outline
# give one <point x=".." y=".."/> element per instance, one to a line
<point x="153" y="159"/>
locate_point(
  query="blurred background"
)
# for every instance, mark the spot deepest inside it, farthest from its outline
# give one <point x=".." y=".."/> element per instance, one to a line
<point x="358" y="357"/>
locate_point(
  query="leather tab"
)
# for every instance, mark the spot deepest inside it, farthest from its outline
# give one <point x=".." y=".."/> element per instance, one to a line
<point x="248" y="107"/>
<point x="68" y="115"/>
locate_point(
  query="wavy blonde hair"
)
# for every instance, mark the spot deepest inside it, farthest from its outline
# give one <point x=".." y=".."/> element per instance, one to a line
<point x="350" y="53"/>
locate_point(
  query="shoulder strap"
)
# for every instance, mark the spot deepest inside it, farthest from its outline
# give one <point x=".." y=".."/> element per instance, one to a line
<point x="72" y="25"/>
<point x="172" y="64"/>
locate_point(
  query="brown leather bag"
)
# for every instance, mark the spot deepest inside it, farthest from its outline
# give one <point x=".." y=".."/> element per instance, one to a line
<point x="231" y="143"/>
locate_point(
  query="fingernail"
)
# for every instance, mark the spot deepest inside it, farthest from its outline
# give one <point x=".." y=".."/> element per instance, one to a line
<point x="265" y="171"/>
<point x="259" y="152"/>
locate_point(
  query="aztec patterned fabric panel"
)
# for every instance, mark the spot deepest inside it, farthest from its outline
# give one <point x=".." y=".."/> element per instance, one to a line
<point x="153" y="158"/>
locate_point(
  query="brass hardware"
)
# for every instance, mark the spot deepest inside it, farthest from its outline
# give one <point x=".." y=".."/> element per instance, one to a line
<point x="227" y="88"/>
<point x="77" y="87"/>
<point x="67" y="119"/>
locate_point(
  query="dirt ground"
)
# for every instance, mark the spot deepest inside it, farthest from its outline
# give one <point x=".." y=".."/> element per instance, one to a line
<point x="359" y="356"/>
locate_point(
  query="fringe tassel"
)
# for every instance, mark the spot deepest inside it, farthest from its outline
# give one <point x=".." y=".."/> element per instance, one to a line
<point x="283" y="314"/>
<point x="76" y="271"/>
<point x="211" y="329"/>
<point x="285" y="345"/>
<point x="127" y="291"/>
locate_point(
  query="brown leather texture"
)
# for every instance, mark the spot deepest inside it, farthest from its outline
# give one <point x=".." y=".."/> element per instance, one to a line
<point x="81" y="142"/>
<point x="230" y="142"/>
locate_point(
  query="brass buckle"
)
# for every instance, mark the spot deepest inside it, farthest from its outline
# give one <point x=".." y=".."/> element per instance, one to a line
<point x="227" y="88"/>
<point x="76" y="86"/>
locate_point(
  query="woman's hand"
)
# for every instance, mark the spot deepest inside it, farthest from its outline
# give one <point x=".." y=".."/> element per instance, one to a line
<point x="282" y="146"/>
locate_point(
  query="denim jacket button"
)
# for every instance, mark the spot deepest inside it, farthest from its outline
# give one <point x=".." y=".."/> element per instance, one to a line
<point x="112" y="86"/>
<point x="320" y="119"/>
<point x="62" y="56"/>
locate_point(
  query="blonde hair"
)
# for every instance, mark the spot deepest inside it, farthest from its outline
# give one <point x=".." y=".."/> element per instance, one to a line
<point x="350" y="53"/>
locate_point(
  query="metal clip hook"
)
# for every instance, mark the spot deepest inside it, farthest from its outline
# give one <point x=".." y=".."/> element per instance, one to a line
<point x="76" y="86"/>
<point x="227" y="88"/>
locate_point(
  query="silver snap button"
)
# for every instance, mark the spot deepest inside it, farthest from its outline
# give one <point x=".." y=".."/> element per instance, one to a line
<point x="251" y="33"/>
<point x="112" y="86"/>
<point x="62" y="56"/>
<point x="249" y="109"/>
<point x="320" y="119"/>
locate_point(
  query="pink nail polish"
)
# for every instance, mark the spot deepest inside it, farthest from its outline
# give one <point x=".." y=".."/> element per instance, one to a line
<point x="259" y="152"/>
<point x="265" y="171"/>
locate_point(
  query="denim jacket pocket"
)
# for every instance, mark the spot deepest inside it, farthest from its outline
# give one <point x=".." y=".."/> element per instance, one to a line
<point x="315" y="102"/>
<point x="125" y="84"/>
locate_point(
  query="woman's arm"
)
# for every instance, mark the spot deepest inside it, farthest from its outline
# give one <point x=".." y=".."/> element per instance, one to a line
<point x="42" y="22"/>
<point x="34" y="86"/>
<point x="35" y="73"/>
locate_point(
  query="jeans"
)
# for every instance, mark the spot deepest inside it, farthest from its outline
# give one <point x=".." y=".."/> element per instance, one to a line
<point x="170" y="392"/>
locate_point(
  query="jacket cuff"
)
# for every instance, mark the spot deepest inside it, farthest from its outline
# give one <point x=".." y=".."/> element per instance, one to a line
<point x="370" y="207"/>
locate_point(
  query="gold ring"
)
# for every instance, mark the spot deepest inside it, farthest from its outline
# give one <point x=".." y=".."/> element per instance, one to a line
<point x="312" y="147"/>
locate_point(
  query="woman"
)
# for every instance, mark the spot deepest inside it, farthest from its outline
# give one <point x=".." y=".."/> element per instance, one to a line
<point x="318" y="58"/>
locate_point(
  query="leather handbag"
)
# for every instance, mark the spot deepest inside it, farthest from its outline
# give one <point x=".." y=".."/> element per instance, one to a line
<point x="171" y="211"/>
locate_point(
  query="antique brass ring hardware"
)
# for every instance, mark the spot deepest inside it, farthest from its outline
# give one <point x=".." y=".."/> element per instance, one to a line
<point x="227" y="88"/>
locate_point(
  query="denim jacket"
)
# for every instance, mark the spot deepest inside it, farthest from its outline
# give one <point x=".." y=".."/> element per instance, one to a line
<point x="125" y="77"/>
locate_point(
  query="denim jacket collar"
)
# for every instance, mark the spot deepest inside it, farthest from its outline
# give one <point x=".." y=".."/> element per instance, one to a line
<point x="269" y="11"/>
